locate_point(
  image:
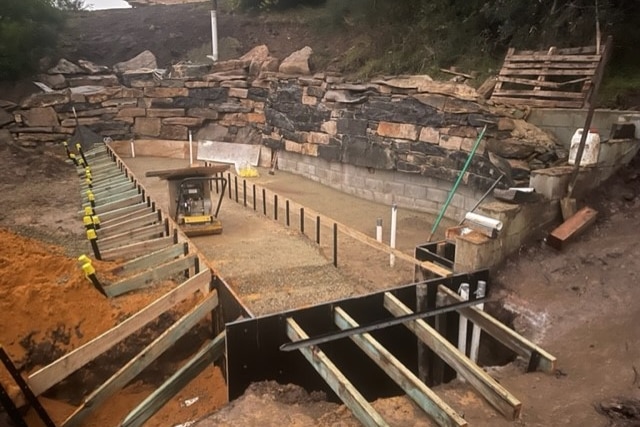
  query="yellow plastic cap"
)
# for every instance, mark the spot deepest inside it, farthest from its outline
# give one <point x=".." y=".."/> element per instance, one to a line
<point x="88" y="269"/>
<point x="84" y="259"/>
<point x="91" y="234"/>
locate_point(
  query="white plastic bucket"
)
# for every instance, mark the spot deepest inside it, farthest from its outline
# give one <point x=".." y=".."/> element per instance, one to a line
<point x="591" y="148"/>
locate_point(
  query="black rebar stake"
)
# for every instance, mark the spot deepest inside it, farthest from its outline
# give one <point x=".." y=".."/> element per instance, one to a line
<point x="275" y="207"/>
<point x="302" y="220"/>
<point x="264" y="202"/>
<point x="244" y="192"/>
<point x="235" y="184"/>
<point x="335" y="244"/>
<point x="229" y="181"/>
<point x="217" y="185"/>
<point x="318" y="229"/>
<point x="24" y="387"/>
<point x="287" y="212"/>
<point x="254" y="197"/>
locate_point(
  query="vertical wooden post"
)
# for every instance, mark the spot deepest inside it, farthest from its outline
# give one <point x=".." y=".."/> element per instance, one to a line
<point x="441" y="328"/>
<point x="423" y="350"/>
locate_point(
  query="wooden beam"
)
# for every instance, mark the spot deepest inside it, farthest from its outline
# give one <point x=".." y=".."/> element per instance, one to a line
<point x="127" y="225"/>
<point x="118" y="213"/>
<point x="350" y="396"/>
<point x="507" y="336"/>
<point x="544" y="103"/>
<point x="136" y="235"/>
<point x="494" y="393"/>
<point x="422" y="395"/>
<point x="113" y="220"/>
<point x="136" y="365"/>
<point x="113" y="198"/>
<point x="149" y="277"/>
<point x="45" y="378"/>
<point x="539" y="93"/>
<point x="544" y="57"/>
<point x="211" y="352"/>
<point x="572" y="227"/>
<point x="152" y="260"/>
<point x="136" y="249"/>
<point x="129" y="201"/>
<point x="109" y="190"/>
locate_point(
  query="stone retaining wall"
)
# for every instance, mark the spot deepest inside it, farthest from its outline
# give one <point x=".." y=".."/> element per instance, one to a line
<point x="403" y="126"/>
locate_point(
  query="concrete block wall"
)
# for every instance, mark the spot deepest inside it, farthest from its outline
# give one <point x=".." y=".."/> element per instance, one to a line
<point x="387" y="187"/>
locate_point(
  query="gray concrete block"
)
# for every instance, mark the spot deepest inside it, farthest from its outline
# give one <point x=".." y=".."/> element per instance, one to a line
<point x="415" y="191"/>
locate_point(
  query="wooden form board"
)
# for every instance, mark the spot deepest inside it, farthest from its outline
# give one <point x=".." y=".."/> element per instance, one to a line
<point x="422" y="395"/>
<point x="151" y="276"/>
<point x="43" y="379"/>
<point x="136" y="365"/>
<point x="136" y="249"/>
<point x="555" y="78"/>
<point x="505" y="335"/>
<point x="211" y="352"/>
<point x="350" y="396"/>
<point x="154" y="258"/>
<point x="487" y="387"/>
<point x="131" y="236"/>
<point x="114" y="229"/>
<point x="572" y="227"/>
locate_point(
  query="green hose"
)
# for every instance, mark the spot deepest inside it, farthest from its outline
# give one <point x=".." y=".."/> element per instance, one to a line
<point x="455" y="186"/>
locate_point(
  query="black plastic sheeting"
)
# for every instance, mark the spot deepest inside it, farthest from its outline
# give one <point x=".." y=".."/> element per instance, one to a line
<point x="253" y="352"/>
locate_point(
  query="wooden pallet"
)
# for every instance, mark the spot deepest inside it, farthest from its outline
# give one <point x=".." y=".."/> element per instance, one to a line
<point x="557" y="78"/>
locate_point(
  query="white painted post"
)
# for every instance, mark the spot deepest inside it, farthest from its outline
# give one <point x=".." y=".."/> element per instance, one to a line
<point x="462" y="326"/>
<point x="190" y="149"/>
<point x="133" y="149"/>
<point x="214" y="35"/>
<point x="475" y="334"/>
<point x="392" y="243"/>
<point x="379" y="230"/>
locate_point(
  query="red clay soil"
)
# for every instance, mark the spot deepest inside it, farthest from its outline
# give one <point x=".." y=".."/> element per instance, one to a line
<point x="48" y="308"/>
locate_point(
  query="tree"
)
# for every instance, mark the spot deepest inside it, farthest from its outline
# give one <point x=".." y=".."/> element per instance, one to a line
<point x="28" y="31"/>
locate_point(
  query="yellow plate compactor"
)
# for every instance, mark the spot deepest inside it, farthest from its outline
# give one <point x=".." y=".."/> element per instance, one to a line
<point x="190" y="191"/>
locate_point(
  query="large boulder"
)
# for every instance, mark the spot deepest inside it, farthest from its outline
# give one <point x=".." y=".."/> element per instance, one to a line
<point x="297" y="62"/>
<point x="37" y="117"/>
<point x="54" y="81"/>
<point x="145" y="59"/>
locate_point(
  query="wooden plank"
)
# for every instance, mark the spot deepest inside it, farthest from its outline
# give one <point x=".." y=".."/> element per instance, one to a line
<point x="133" y="200"/>
<point x="543" y="56"/>
<point x="109" y="186"/>
<point x="539" y="93"/>
<point x="142" y="209"/>
<point x="505" y="335"/>
<point x="45" y="378"/>
<point x="111" y="192"/>
<point x="545" y="103"/>
<point x="531" y="82"/>
<point x="142" y="233"/>
<point x="151" y="260"/>
<point x="136" y="249"/>
<point x="572" y="227"/>
<point x="550" y="72"/>
<point x="211" y="352"/>
<point x="427" y="265"/>
<point x="149" y="277"/>
<point x="563" y="51"/>
<point x="136" y="365"/>
<point x="115" y="229"/>
<point x="422" y="395"/>
<point x="487" y="387"/>
<point x="551" y="65"/>
<point x="105" y="217"/>
<point x="350" y="396"/>
<point x="114" y="198"/>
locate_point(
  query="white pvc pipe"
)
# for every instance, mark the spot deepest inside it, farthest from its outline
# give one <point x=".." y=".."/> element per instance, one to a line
<point x="485" y="221"/>
<point x="214" y="35"/>
<point x="379" y="230"/>
<point x="190" y="149"/>
<point x="392" y="243"/>
<point x="133" y="149"/>
<point x="462" y="325"/>
<point x="475" y="334"/>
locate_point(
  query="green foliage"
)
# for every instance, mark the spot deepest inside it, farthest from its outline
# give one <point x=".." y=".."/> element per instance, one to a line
<point x="28" y="31"/>
<point x="278" y="4"/>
